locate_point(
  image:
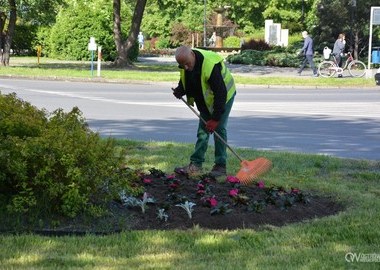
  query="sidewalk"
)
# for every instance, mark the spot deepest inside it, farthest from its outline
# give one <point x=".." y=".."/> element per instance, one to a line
<point x="239" y="69"/>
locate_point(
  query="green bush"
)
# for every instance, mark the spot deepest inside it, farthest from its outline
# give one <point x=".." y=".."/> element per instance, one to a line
<point x="42" y="39"/>
<point x="276" y="57"/>
<point x="258" y="45"/>
<point x="54" y="164"/>
<point x="70" y="35"/>
<point x="163" y="43"/>
<point x="232" y="42"/>
<point x="22" y="42"/>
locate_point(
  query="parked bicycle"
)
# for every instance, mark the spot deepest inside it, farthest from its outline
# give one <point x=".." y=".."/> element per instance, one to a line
<point x="329" y="68"/>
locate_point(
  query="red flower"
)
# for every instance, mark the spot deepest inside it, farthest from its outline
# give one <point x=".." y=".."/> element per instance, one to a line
<point x="213" y="202"/>
<point x="200" y="186"/>
<point x="201" y="191"/>
<point x="234" y="192"/>
<point x="260" y="184"/>
<point x="147" y="181"/>
<point x="170" y="177"/>
<point x="173" y="185"/>
<point x="233" y="179"/>
<point x="295" y="190"/>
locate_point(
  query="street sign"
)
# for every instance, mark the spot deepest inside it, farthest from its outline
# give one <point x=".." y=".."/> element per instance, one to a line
<point x="373" y="20"/>
<point x="376" y="16"/>
<point x="92" y="44"/>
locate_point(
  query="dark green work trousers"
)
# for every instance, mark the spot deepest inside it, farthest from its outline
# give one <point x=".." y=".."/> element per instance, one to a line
<point x="198" y="157"/>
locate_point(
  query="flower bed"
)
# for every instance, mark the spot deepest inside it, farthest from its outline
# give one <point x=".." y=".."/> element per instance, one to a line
<point x="177" y="202"/>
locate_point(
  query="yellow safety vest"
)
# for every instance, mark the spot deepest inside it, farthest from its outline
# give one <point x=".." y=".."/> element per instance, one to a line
<point x="210" y="59"/>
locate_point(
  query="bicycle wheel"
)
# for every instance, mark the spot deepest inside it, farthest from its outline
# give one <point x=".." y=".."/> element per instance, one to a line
<point x="327" y="69"/>
<point x="357" y="68"/>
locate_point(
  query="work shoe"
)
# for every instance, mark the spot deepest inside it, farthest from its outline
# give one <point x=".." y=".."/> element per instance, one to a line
<point x="189" y="170"/>
<point x="218" y="170"/>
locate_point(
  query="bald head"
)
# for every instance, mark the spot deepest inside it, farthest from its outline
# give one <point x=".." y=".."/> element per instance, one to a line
<point x="185" y="57"/>
<point x="182" y="52"/>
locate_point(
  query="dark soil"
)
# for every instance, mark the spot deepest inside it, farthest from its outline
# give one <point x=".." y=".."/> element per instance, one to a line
<point x="254" y="207"/>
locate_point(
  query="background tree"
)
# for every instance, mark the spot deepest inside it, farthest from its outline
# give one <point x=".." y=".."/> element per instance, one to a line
<point x="291" y="13"/>
<point x="248" y="15"/>
<point x="125" y="47"/>
<point x="70" y="35"/>
<point x="8" y="29"/>
<point x="331" y="17"/>
<point x="37" y="12"/>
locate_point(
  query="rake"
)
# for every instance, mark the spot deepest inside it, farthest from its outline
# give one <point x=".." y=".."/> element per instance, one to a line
<point x="250" y="170"/>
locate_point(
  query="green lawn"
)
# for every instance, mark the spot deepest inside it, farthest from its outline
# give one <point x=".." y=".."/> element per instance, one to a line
<point x="321" y="243"/>
<point x="315" y="244"/>
<point x="56" y="69"/>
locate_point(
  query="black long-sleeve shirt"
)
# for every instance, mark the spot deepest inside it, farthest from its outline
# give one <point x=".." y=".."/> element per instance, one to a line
<point x="217" y="85"/>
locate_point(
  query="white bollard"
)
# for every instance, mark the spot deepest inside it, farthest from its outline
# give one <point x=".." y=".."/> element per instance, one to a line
<point x="99" y="59"/>
<point x="368" y="73"/>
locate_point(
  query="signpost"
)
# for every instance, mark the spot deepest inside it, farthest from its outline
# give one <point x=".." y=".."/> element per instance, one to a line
<point x="92" y="48"/>
<point x="374" y="20"/>
<point x="39" y="50"/>
<point x="99" y="59"/>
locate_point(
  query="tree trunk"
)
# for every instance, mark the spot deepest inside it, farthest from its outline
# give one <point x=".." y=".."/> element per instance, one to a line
<point x="356" y="45"/>
<point x="123" y="47"/>
<point x="3" y="18"/>
<point x="8" y="34"/>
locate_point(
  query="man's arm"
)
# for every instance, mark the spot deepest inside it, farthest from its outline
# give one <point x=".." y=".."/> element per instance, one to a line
<point x="220" y="91"/>
<point x="179" y="91"/>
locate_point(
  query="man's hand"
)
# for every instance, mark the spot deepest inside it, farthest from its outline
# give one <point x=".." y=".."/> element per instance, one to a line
<point x="177" y="92"/>
<point x="211" y="125"/>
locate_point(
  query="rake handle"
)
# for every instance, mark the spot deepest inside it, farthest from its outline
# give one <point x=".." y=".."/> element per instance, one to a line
<point x="216" y="133"/>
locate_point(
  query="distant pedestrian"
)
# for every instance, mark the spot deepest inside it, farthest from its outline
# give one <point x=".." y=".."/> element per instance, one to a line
<point x="140" y="39"/>
<point x="212" y="40"/>
<point x="308" y="53"/>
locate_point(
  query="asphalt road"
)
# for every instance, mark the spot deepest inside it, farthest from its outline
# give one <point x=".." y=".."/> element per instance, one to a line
<point x="338" y="122"/>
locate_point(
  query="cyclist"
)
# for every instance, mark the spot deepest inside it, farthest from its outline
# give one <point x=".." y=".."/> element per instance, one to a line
<point x="338" y="49"/>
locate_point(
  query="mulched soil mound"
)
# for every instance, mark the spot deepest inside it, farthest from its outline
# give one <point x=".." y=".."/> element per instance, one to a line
<point x="251" y="206"/>
<point x="221" y="204"/>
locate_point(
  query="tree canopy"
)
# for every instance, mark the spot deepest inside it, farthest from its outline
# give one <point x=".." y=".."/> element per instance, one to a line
<point x="64" y="27"/>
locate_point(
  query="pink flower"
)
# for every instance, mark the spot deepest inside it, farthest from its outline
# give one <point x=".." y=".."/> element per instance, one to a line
<point x="173" y="185"/>
<point x="295" y="190"/>
<point x="201" y="191"/>
<point x="207" y="180"/>
<point x="260" y="184"/>
<point x="234" y="192"/>
<point x="233" y="179"/>
<point x="213" y="202"/>
<point x="147" y="181"/>
<point x="170" y="177"/>
<point x="200" y="186"/>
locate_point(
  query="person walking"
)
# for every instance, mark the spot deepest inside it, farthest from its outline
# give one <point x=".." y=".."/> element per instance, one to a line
<point x="205" y="80"/>
<point x="308" y="52"/>
<point x="140" y="39"/>
<point x="338" y="50"/>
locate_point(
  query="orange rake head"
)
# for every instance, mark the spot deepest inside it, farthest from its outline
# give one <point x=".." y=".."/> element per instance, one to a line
<point x="251" y="170"/>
